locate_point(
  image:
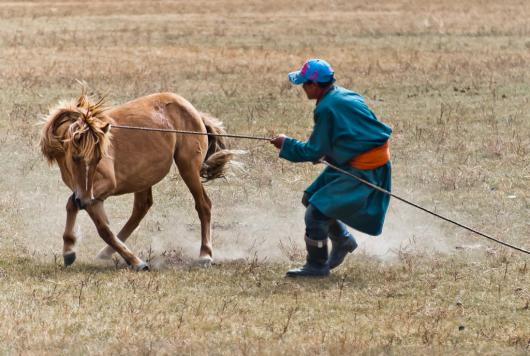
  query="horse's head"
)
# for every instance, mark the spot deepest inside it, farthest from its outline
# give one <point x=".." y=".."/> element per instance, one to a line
<point x="77" y="137"/>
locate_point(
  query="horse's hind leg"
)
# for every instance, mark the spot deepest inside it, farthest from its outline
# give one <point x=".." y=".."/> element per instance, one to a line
<point x="189" y="170"/>
<point x="99" y="217"/>
<point x="69" y="237"/>
<point x="142" y="202"/>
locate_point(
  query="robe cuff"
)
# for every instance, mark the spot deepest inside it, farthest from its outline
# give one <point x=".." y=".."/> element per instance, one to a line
<point x="285" y="148"/>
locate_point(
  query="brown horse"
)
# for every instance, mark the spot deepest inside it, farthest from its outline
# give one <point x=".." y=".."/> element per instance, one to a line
<point x="96" y="164"/>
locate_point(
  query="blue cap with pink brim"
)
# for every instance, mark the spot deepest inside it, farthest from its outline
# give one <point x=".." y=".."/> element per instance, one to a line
<point x="313" y="70"/>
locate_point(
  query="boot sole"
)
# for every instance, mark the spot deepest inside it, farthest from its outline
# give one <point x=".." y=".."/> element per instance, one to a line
<point x="295" y="275"/>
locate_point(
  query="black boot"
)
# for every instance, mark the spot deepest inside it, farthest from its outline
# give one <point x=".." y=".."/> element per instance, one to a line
<point x="342" y="243"/>
<point x="317" y="260"/>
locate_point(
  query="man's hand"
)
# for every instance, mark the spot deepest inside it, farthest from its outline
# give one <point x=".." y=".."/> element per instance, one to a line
<point x="277" y="141"/>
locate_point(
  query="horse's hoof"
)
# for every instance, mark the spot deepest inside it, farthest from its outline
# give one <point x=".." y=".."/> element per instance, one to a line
<point x="69" y="258"/>
<point x="142" y="267"/>
<point x="105" y="254"/>
<point x="205" y="261"/>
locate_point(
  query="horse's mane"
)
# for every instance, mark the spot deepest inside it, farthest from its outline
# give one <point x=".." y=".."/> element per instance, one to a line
<point x="87" y="129"/>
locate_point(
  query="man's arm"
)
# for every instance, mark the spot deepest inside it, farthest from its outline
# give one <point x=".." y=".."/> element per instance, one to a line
<point x="318" y="145"/>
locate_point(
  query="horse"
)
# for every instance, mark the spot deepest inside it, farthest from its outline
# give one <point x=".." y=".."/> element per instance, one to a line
<point x="97" y="162"/>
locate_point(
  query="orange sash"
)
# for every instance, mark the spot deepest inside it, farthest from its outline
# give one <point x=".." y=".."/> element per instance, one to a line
<point x="372" y="159"/>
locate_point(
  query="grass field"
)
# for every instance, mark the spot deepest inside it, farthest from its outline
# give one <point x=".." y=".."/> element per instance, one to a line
<point x="451" y="78"/>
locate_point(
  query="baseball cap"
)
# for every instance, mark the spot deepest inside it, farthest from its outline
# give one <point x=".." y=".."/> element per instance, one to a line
<point x="315" y="70"/>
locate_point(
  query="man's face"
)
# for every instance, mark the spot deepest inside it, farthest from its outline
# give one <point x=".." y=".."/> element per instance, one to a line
<point x="312" y="90"/>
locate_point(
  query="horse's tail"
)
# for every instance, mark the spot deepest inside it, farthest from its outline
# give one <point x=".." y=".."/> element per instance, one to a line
<point x="218" y="156"/>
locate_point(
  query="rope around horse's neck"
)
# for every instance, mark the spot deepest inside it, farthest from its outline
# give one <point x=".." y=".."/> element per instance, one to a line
<point x="338" y="169"/>
<point x="188" y="132"/>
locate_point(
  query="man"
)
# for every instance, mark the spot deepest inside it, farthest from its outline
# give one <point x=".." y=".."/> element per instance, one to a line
<point x="346" y="133"/>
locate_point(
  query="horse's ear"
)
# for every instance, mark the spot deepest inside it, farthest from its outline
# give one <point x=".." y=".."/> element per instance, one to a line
<point x="106" y="129"/>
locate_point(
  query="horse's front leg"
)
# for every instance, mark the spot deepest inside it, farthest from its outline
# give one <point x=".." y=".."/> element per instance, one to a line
<point x="97" y="213"/>
<point x="142" y="202"/>
<point x="69" y="238"/>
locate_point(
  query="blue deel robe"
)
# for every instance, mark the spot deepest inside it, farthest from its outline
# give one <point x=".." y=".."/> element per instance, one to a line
<point x="344" y="128"/>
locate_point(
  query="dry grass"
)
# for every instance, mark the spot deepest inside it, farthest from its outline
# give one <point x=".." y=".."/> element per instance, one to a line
<point x="450" y="77"/>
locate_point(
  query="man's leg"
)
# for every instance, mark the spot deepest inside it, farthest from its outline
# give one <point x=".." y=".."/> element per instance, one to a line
<point x="342" y="243"/>
<point x="317" y="229"/>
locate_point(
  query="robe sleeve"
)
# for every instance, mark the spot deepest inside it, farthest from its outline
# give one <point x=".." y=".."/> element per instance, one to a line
<point x="318" y="145"/>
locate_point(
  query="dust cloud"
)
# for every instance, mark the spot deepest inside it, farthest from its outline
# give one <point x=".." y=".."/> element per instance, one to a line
<point x="267" y="233"/>
<point x="259" y="229"/>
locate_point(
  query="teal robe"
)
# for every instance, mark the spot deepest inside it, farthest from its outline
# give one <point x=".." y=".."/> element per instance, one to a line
<point x="344" y="128"/>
